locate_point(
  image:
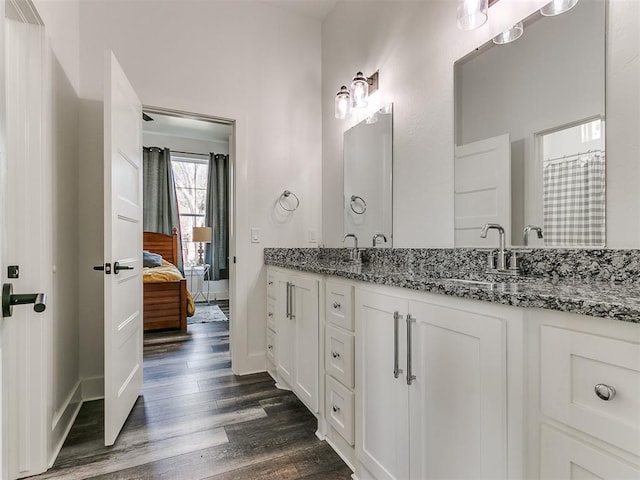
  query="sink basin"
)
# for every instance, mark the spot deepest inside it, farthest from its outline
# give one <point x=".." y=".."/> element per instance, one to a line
<point x="478" y="283"/>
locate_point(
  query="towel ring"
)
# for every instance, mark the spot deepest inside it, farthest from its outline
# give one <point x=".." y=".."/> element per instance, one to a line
<point x="286" y="194"/>
<point x="363" y="207"/>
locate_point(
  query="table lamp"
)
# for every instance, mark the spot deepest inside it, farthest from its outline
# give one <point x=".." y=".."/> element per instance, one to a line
<point x="202" y="235"/>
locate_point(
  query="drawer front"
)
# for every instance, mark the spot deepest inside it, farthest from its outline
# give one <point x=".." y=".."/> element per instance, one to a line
<point x="565" y="457"/>
<point x="271" y="314"/>
<point x="339" y="305"/>
<point x="271" y="345"/>
<point x="572" y="364"/>
<point x="271" y="284"/>
<point x="340" y="355"/>
<point x="340" y="409"/>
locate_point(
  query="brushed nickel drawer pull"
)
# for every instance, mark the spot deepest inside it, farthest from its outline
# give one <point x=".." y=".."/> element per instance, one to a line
<point x="604" y="392"/>
<point x="335" y="409"/>
<point x="336" y="305"/>
<point x="335" y="354"/>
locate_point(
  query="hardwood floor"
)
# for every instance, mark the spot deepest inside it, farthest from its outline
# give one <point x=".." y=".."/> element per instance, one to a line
<point x="197" y="420"/>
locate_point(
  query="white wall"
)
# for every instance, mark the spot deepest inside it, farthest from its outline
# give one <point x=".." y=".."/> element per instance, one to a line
<point x="414" y="45"/>
<point x="242" y="60"/>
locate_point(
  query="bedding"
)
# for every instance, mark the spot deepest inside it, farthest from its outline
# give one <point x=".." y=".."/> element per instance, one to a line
<point x="151" y="259"/>
<point x="167" y="272"/>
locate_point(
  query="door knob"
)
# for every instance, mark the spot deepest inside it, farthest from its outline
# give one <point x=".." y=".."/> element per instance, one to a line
<point x="117" y="267"/>
<point x="106" y="268"/>
<point x="9" y="300"/>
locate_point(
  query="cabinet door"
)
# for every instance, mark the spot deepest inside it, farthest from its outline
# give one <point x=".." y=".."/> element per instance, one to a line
<point x="382" y="432"/>
<point x="305" y="341"/>
<point x="285" y="329"/>
<point x="457" y="402"/>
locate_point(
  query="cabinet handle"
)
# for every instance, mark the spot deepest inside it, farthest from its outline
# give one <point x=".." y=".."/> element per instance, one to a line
<point x="336" y="305"/>
<point x="292" y="315"/>
<point x="270" y="314"/>
<point x="335" y="354"/>
<point x="269" y="347"/>
<point x="288" y="299"/>
<point x="604" y="392"/>
<point x="410" y="376"/>
<point x="396" y="361"/>
<point x="335" y="409"/>
<point x="270" y="282"/>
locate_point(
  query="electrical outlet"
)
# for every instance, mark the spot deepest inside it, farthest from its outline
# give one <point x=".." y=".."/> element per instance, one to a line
<point x="313" y="236"/>
<point x="255" y="235"/>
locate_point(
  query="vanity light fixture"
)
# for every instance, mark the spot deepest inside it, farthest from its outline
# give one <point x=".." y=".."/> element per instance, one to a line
<point x="556" y="7"/>
<point x="343" y="103"/>
<point x="356" y="97"/>
<point x="510" y="35"/>
<point x="472" y="14"/>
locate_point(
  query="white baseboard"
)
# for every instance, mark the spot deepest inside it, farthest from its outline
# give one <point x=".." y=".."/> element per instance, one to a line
<point x="63" y="419"/>
<point x="92" y="388"/>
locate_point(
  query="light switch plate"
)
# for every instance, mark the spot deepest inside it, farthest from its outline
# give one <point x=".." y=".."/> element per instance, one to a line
<point x="255" y="235"/>
<point x="313" y="236"/>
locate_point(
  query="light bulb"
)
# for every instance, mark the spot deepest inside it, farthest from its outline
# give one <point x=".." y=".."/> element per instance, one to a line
<point x="359" y="91"/>
<point x="343" y="103"/>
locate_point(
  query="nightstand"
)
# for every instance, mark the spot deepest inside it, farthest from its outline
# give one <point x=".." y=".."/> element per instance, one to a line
<point x="197" y="282"/>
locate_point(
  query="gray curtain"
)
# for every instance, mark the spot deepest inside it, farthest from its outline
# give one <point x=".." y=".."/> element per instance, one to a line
<point x="217" y="216"/>
<point x="159" y="195"/>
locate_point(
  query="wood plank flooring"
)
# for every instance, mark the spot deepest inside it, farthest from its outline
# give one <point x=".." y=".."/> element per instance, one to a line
<point x="197" y="420"/>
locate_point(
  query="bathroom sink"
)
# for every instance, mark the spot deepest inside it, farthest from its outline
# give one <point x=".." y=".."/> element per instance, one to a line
<point x="479" y="283"/>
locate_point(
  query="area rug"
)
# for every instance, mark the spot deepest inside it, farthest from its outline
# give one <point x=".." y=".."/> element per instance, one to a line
<point x="207" y="313"/>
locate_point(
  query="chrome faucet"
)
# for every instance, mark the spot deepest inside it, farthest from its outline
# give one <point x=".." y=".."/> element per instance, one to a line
<point x="376" y="236"/>
<point x="528" y="229"/>
<point x="354" y="253"/>
<point x="502" y="254"/>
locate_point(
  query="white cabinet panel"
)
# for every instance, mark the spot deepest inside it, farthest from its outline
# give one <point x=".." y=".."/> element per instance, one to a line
<point x="572" y="364"/>
<point x="340" y="408"/>
<point x="457" y="402"/>
<point x="382" y="417"/>
<point x="566" y="458"/>
<point x="339" y="305"/>
<point x="339" y="357"/>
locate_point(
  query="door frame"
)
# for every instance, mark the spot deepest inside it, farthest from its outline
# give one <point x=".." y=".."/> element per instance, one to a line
<point x="238" y="222"/>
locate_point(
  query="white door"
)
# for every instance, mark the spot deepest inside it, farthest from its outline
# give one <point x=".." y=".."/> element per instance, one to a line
<point x="457" y="402"/>
<point x="482" y="190"/>
<point x="382" y="423"/>
<point x="25" y="223"/>
<point x="305" y="317"/>
<point x="122" y="249"/>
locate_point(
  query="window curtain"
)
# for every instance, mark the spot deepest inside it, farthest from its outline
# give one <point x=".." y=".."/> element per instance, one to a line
<point x="160" y="207"/>
<point x="574" y="201"/>
<point x="217" y="216"/>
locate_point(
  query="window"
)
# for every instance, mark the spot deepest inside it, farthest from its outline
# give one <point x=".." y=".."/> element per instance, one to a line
<point x="190" y="177"/>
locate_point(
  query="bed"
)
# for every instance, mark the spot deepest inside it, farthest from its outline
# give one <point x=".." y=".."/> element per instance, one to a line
<point x="167" y="303"/>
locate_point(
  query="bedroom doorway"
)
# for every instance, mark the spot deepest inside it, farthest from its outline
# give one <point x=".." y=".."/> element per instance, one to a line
<point x="200" y="152"/>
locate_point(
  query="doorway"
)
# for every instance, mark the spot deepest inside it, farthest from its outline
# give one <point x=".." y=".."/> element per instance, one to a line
<point x="199" y="149"/>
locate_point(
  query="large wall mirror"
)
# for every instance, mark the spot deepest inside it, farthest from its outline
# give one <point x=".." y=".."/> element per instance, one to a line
<point x="530" y="134"/>
<point x="368" y="163"/>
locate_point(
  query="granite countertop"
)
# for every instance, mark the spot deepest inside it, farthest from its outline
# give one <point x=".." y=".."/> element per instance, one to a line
<point x="619" y="301"/>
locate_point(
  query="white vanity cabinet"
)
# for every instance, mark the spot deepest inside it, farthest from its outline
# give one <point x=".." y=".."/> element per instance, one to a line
<point x="450" y="421"/>
<point x="587" y="421"/>
<point x="296" y="322"/>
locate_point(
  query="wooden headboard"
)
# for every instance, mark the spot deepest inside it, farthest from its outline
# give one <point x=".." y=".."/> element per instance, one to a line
<point x="165" y="245"/>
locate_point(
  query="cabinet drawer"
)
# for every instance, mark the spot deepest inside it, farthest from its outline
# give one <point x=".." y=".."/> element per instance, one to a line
<point x="340" y="409"/>
<point x="565" y="457"/>
<point x="339" y="305"/>
<point x="271" y="314"/>
<point x="271" y="284"/>
<point x="271" y="346"/>
<point x="339" y="357"/>
<point x="572" y="364"/>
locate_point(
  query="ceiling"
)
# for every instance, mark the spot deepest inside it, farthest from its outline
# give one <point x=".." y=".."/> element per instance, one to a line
<point x="317" y="9"/>
<point x="187" y="128"/>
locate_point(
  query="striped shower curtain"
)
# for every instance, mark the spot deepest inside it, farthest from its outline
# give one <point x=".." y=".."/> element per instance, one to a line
<point x="574" y="201"/>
